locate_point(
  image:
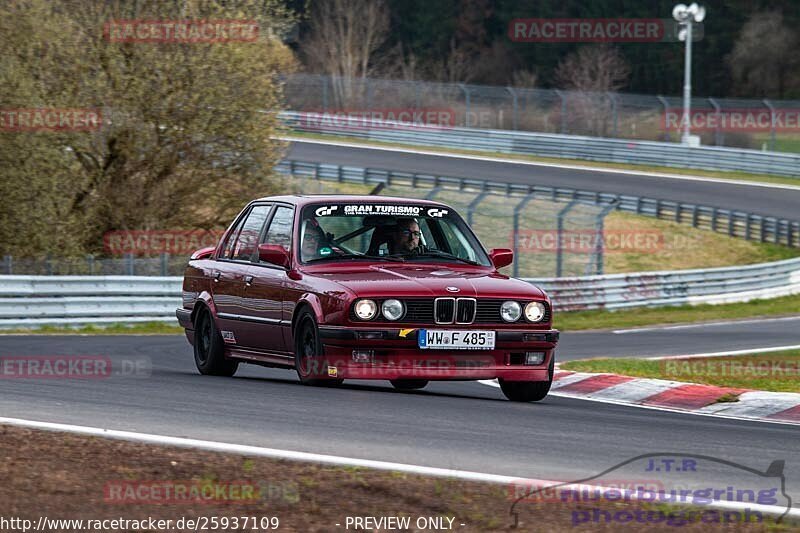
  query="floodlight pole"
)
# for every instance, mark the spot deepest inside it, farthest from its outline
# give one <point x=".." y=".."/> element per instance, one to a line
<point x="686" y="16"/>
<point x="687" y="82"/>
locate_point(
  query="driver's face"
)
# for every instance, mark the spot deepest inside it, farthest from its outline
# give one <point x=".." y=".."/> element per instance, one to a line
<point x="407" y="237"/>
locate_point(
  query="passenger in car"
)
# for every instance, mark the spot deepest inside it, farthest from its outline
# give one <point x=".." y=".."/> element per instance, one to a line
<point x="313" y="240"/>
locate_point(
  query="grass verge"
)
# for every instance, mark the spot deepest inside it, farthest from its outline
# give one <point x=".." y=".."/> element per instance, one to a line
<point x="145" y="328"/>
<point x="775" y="371"/>
<point x="66" y="476"/>
<point x="738" y="176"/>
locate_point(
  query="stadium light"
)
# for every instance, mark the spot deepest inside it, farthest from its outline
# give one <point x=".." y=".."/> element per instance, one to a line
<point x="686" y="16"/>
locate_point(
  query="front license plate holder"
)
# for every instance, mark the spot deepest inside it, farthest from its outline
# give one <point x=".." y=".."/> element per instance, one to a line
<point x="455" y="339"/>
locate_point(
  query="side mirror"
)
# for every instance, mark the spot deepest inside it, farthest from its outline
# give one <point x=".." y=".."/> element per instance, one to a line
<point x="501" y="257"/>
<point x="274" y="254"/>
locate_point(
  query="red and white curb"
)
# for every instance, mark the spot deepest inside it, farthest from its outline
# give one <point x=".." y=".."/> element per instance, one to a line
<point x="775" y="407"/>
<point x="679" y="396"/>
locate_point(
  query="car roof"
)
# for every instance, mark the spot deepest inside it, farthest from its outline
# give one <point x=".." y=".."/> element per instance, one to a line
<point x="303" y="199"/>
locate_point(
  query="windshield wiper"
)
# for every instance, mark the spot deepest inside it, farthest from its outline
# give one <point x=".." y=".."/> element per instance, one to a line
<point x="445" y="255"/>
<point x="356" y="256"/>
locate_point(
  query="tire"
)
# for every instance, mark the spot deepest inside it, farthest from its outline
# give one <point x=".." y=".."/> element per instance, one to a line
<point x="209" y="348"/>
<point x="308" y="352"/>
<point x="528" y="391"/>
<point x="409" y="384"/>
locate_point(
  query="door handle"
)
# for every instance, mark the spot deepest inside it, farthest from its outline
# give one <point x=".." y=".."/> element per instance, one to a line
<point x="216" y="276"/>
<point x="248" y="280"/>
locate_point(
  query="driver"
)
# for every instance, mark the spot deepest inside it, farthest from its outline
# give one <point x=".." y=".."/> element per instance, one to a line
<point x="406" y="237"/>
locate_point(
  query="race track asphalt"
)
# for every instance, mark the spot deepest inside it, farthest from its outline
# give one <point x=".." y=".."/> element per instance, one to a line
<point x="459" y="425"/>
<point x="777" y="202"/>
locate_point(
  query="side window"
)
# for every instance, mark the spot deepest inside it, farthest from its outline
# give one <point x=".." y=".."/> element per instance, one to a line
<point x="245" y="245"/>
<point x="280" y="229"/>
<point x="227" y="250"/>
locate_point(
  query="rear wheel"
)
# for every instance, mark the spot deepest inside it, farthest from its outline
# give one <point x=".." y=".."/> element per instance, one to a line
<point x="308" y="352"/>
<point x="528" y="391"/>
<point x="409" y="384"/>
<point x="209" y="348"/>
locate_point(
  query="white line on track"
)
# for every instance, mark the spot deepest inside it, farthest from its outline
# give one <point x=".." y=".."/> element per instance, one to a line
<point x="754" y="351"/>
<point x="541" y="164"/>
<point x="707" y="324"/>
<point x="349" y="461"/>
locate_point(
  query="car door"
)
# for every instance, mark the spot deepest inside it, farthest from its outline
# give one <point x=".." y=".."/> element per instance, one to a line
<point x="228" y="281"/>
<point x="265" y="286"/>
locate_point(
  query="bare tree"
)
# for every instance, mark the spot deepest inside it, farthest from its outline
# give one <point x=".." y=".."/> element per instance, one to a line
<point x="593" y="68"/>
<point x="592" y="74"/>
<point x="764" y="59"/>
<point x="343" y="39"/>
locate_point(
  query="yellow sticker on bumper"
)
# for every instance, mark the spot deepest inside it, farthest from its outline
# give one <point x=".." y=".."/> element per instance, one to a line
<point x="404" y="332"/>
<point x="332" y="372"/>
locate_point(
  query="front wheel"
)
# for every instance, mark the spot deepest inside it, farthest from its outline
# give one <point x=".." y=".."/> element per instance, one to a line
<point x="308" y="352"/>
<point x="409" y="384"/>
<point x="209" y="348"/>
<point x="528" y="391"/>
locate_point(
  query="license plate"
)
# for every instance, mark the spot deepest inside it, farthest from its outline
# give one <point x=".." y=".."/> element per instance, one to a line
<point x="443" y="339"/>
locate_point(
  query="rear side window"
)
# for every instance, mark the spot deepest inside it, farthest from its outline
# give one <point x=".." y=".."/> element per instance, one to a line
<point x="241" y="243"/>
<point x="280" y="229"/>
<point x="227" y="251"/>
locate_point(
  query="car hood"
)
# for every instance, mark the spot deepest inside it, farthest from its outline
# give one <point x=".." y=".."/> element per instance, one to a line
<point x="430" y="280"/>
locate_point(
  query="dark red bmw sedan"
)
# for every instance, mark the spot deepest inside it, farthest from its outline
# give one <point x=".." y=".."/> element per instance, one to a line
<point x="365" y="287"/>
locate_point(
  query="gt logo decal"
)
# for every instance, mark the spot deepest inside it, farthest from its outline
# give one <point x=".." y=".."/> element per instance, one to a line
<point x="228" y="337"/>
<point x="438" y="213"/>
<point x="325" y="211"/>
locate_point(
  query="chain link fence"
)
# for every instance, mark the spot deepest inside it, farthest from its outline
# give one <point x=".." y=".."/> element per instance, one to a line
<point x="739" y="123"/>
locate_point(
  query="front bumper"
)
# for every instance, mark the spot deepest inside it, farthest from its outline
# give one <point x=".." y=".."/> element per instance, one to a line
<point x="395" y="354"/>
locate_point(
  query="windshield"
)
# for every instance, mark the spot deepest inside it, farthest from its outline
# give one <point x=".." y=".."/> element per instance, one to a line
<point x="385" y="231"/>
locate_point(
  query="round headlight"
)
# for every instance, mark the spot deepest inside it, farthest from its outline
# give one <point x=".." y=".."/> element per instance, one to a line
<point x="392" y="309"/>
<point x="510" y="311"/>
<point x="366" y="309"/>
<point x="535" y="311"/>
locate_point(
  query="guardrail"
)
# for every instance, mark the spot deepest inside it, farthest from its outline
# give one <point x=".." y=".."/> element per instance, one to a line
<point x="33" y="301"/>
<point x="555" y="145"/>
<point x="679" y="287"/>
<point x="733" y="223"/>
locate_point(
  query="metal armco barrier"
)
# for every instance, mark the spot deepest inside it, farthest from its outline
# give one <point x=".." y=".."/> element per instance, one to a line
<point x="32" y="301"/>
<point x="733" y="223"/>
<point x="679" y="287"/>
<point x="564" y="146"/>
